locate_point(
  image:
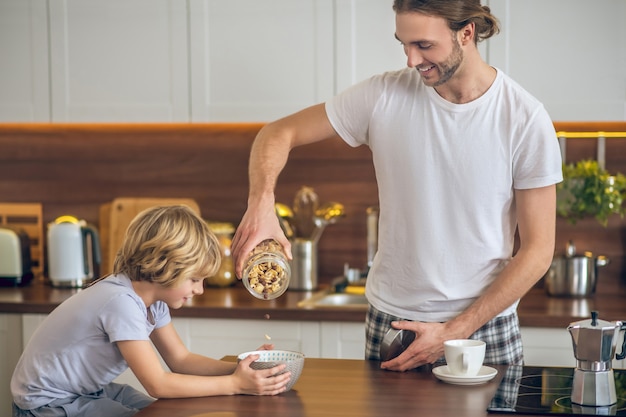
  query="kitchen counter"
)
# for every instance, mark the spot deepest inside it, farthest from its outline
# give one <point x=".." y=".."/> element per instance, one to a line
<point x="536" y="309"/>
<point x="233" y="302"/>
<point x="339" y="387"/>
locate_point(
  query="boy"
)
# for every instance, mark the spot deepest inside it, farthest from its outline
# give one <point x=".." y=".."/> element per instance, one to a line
<point x="69" y="364"/>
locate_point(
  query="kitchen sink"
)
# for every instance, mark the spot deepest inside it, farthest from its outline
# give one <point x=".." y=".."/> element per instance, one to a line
<point x="335" y="300"/>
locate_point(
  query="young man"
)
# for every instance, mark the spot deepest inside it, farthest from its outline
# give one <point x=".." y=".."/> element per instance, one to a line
<point x="464" y="157"/>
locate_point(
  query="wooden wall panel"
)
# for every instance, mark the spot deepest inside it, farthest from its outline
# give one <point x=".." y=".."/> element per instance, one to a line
<point x="75" y="168"/>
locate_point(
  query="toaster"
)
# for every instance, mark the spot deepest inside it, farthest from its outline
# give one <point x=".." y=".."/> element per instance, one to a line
<point x="15" y="259"/>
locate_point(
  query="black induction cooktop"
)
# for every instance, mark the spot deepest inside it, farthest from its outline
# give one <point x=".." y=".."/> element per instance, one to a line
<point x="546" y="391"/>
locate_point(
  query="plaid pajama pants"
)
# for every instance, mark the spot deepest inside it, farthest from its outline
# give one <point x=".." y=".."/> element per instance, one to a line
<point x="501" y="334"/>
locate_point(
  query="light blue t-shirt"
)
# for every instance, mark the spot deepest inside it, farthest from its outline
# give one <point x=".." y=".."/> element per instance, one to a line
<point x="73" y="352"/>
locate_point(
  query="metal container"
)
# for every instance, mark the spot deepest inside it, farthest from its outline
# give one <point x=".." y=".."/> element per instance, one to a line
<point x="303" y="265"/>
<point x="394" y="343"/>
<point x="574" y="275"/>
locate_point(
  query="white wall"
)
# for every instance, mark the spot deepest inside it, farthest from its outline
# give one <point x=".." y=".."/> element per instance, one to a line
<point x="251" y="60"/>
<point x="571" y="54"/>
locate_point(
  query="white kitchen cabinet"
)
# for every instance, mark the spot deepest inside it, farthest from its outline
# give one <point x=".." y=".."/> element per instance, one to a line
<point x="220" y="337"/>
<point x="570" y="56"/>
<point x="15" y="331"/>
<point x="553" y="347"/>
<point x="10" y="350"/>
<point x="345" y="340"/>
<point x="259" y="60"/>
<point x="118" y="60"/>
<point x="547" y="347"/>
<point x="219" y="60"/>
<point x="24" y="71"/>
<point x="30" y="322"/>
<point x="365" y="41"/>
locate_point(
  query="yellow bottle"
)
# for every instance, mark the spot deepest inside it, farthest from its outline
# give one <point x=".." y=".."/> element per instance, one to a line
<point x="225" y="276"/>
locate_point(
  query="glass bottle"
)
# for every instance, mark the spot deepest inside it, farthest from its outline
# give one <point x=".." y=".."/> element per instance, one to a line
<point x="225" y="276"/>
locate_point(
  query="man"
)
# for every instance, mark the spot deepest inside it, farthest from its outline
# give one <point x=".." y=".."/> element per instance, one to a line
<point x="464" y="157"/>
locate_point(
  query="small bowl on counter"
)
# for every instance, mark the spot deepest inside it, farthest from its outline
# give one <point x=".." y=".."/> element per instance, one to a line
<point x="271" y="358"/>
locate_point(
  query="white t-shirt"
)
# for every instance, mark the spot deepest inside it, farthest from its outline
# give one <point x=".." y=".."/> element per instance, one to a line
<point x="446" y="176"/>
<point x="73" y="352"/>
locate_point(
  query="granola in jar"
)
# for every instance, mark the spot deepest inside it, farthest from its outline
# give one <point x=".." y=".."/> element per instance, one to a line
<point x="266" y="271"/>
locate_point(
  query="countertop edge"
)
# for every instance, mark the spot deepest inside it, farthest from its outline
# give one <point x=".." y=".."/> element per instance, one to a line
<point x="536" y="309"/>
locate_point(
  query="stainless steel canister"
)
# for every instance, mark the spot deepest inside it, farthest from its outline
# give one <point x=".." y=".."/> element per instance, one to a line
<point x="303" y="264"/>
<point x="574" y="275"/>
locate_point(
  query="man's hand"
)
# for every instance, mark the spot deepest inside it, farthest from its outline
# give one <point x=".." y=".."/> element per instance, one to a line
<point x="257" y="224"/>
<point x="425" y="349"/>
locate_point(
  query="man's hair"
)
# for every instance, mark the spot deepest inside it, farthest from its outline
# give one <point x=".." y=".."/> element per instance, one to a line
<point x="458" y="13"/>
<point x="166" y="245"/>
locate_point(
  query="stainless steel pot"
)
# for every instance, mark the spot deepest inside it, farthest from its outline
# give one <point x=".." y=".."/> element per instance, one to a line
<point x="573" y="275"/>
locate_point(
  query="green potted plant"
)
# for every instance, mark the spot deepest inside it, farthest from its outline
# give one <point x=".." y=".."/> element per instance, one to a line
<point x="589" y="190"/>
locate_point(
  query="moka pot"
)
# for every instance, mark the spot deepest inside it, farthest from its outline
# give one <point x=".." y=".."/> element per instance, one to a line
<point x="594" y="342"/>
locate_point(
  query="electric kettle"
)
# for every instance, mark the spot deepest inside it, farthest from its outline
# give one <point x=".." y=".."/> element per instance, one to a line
<point x="15" y="259"/>
<point x="73" y="252"/>
<point x="594" y="343"/>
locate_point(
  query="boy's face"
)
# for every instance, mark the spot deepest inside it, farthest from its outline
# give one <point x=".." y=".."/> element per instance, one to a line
<point x="177" y="296"/>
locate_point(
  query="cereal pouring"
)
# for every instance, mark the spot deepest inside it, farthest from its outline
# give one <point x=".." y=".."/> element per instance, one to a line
<point x="266" y="273"/>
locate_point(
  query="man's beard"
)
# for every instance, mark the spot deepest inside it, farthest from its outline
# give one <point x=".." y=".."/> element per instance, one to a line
<point x="449" y="66"/>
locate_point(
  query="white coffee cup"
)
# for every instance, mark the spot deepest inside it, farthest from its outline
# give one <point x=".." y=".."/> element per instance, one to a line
<point x="464" y="356"/>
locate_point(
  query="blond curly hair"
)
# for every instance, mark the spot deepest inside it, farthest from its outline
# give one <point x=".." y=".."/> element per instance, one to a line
<point x="167" y="245"/>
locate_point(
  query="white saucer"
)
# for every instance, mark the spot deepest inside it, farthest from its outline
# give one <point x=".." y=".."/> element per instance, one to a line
<point x="485" y="374"/>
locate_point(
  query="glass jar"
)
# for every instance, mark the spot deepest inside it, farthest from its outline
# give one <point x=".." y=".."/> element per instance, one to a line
<point x="266" y="271"/>
<point x="225" y="276"/>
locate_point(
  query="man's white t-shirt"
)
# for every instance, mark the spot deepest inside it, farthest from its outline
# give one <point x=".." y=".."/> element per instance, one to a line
<point x="73" y="351"/>
<point x="446" y="177"/>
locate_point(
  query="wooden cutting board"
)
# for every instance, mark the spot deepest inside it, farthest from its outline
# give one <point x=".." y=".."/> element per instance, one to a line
<point x="117" y="215"/>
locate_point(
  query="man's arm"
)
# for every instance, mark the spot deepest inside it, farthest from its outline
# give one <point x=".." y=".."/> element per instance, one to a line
<point x="536" y="213"/>
<point x="268" y="157"/>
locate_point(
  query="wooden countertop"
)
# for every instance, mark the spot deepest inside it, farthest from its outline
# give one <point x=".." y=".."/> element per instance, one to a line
<point x="536" y="309"/>
<point x="344" y="388"/>
<point x="233" y="302"/>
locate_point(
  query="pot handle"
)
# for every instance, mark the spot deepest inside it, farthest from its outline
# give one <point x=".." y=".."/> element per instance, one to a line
<point x="95" y="246"/>
<point x="622" y="355"/>
<point x="602" y="261"/>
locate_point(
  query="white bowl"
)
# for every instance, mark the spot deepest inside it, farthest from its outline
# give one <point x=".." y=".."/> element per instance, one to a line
<point x="271" y="358"/>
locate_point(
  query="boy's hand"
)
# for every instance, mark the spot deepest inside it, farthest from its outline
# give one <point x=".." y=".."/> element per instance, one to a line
<point x="260" y="382"/>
